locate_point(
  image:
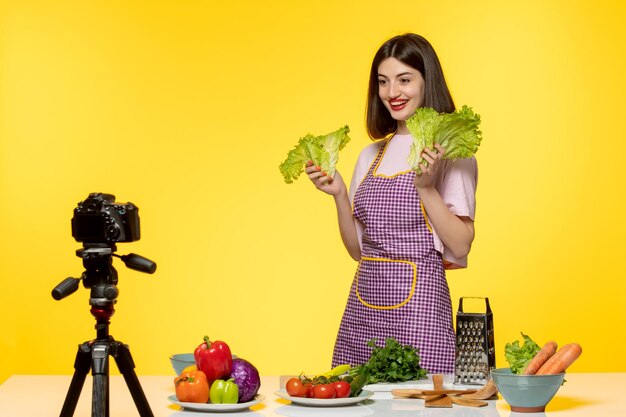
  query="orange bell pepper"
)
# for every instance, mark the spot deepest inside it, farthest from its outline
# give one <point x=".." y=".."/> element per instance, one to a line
<point x="192" y="387"/>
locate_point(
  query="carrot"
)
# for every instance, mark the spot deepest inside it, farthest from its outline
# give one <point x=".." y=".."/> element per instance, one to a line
<point x="561" y="360"/>
<point x="540" y="358"/>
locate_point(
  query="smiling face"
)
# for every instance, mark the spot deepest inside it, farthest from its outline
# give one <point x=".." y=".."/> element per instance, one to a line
<point x="401" y="89"/>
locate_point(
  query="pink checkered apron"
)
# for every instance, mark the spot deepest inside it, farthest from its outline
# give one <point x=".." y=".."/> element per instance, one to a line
<point x="399" y="289"/>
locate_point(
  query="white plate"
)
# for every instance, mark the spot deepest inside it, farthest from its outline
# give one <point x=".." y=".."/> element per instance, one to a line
<point x="225" y="408"/>
<point x="331" y="402"/>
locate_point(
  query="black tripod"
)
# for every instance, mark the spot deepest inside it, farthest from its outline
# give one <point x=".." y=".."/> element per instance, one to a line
<point x="101" y="277"/>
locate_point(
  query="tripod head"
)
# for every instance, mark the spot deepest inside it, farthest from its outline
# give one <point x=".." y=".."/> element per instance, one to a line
<point x="100" y="275"/>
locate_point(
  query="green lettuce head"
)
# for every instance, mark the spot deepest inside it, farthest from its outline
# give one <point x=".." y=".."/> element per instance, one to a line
<point x="457" y="132"/>
<point x="322" y="150"/>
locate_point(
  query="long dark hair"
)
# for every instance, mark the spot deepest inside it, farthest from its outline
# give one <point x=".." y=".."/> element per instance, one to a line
<point x="416" y="52"/>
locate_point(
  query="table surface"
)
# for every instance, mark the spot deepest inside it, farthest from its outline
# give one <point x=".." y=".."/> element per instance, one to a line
<point x="583" y="394"/>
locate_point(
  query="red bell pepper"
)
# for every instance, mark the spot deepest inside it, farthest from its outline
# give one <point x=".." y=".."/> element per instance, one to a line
<point x="214" y="359"/>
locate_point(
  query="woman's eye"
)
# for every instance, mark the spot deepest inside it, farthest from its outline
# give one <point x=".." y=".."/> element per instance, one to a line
<point x="405" y="80"/>
<point x="382" y="82"/>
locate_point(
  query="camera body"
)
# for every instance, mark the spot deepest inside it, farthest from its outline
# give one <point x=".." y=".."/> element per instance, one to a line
<point x="99" y="219"/>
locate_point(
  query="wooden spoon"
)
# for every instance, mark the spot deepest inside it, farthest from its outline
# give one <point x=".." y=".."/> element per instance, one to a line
<point x="408" y="393"/>
<point x="484" y="393"/>
<point x="468" y="402"/>
<point x="440" y="400"/>
<point x="417" y="393"/>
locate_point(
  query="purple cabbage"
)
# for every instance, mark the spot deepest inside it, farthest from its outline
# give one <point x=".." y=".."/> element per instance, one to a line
<point x="247" y="378"/>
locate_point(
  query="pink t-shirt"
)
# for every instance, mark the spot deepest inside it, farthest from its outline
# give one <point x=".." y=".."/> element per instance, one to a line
<point x="457" y="184"/>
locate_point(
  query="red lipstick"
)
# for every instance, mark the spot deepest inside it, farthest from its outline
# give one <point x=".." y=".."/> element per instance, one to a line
<point x="397" y="105"/>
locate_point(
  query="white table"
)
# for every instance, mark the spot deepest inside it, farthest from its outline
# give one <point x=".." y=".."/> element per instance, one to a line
<point x="588" y="395"/>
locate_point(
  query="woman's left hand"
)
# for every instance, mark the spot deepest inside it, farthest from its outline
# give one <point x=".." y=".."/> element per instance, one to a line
<point x="428" y="177"/>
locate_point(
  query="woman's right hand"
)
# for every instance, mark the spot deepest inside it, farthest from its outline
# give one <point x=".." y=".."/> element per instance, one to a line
<point x="324" y="182"/>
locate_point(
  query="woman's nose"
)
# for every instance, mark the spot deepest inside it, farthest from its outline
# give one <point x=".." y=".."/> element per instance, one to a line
<point x="394" y="91"/>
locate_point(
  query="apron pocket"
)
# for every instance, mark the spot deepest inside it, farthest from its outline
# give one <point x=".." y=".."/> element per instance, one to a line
<point x="385" y="283"/>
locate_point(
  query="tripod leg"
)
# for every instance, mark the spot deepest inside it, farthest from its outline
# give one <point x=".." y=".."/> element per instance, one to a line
<point x="125" y="363"/>
<point x="100" y="369"/>
<point x="81" y="369"/>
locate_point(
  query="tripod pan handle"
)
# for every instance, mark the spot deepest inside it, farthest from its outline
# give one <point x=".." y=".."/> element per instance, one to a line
<point x="67" y="287"/>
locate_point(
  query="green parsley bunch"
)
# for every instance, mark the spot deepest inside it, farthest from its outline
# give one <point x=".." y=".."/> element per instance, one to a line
<point x="393" y="362"/>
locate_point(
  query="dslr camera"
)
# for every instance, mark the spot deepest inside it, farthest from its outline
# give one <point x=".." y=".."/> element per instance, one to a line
<point x="99" y="219"/>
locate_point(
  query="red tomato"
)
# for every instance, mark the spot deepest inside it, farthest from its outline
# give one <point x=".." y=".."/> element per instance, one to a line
<point x="324" y="391"/>
<point x="296" y="388"/>
<point x="342" y="389"/>
<point x="309" y="386"/>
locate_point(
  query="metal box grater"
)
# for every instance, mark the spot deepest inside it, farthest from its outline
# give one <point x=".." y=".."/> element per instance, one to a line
<point x="475" y="353"/>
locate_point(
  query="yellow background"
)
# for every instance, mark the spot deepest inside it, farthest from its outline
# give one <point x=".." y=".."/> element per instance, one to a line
<point x="187" y="108"/>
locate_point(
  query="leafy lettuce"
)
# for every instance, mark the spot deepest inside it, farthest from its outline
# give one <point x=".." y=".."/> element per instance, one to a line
<point x="322" y="150"/>
<point x="519" y="356"/>
<point x="457" y="132"/>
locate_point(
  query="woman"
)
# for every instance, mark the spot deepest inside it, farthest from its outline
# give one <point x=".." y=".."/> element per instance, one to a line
<point x="403" y="228"/>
